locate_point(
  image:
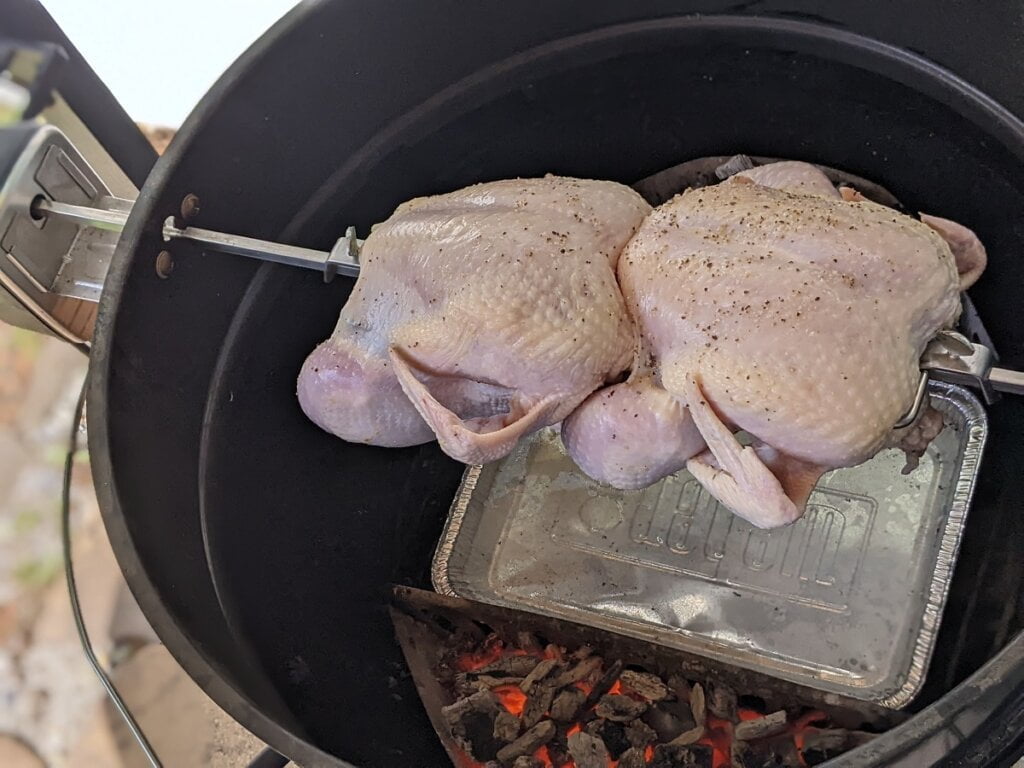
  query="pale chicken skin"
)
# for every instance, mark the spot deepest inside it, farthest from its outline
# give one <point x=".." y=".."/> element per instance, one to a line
<point x="790" y="313"/>
<point x="478" y="317"/>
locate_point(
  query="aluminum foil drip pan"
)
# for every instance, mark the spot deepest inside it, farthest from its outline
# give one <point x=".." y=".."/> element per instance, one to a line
<point x="848" y="599"/>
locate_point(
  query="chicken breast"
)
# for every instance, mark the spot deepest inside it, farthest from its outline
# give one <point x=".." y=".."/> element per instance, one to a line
<point x="479" y="316"/>
<point x="772" y="305"/>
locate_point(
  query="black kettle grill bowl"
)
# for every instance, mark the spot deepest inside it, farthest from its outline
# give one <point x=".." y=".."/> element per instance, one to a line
<point x="260" y="547"/>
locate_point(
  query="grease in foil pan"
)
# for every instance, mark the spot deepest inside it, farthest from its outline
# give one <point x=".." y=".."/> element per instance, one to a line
<point x="847" y="599"/>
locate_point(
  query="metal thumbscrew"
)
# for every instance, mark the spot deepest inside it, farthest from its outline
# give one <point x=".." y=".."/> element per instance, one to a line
<point x="189" y="206"/>
<point x="164" y="264"/>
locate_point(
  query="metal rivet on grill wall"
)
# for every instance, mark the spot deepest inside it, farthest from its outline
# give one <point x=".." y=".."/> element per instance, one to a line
<point x="164" y="264"/>
<point x="190" y="206"/>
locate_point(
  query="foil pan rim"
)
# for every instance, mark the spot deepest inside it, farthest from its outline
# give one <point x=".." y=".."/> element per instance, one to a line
<point x="950" y="539"/>
<point x="450" y="534"/>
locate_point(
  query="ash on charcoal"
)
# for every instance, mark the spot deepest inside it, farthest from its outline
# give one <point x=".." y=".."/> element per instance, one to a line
<point x="588" y="751"/>
<point x="680" y="686"/>
<point x="527" y="761"/>
<point x="528" y="743"/>
<point x="721" y="702"/>
<point x="528" y="642"/>
<point x="612" y="735"/>
<point x="691" y="736"/>
<point x="506" y="727"/>
<point x="821" y="745"/>
<point x="462" y="684"/>
<point x="487" y="681"/>
<point x="676" y="756"/>
<point x="835" y="738"/>
<point x="645" y="685"/>
<point x="639" y="734"/>
<point x="537" y="673"/>
<point x="633" y="758"/>
<point x="567" y="704"/>
<point x="746" y="756"/>
<point x="537" y="704"/>
<point x="483" y="702"/>
<point x="698" y="704"/>
<point x="582" y="652"/>
<point x="766" y="753"/>
<point x="622" y="709"/>
<point x="761" y="727"/>
<point x="471" y="723"/>
<point x="825" y="739"/>
<point x="467" y="685"/>
<point x="670" y="718"/>
<point x="507" y="666"/>
<point x="583" y="669"/>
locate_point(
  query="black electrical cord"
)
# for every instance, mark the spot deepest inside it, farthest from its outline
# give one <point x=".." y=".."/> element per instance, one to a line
<point x="76" y="608"/>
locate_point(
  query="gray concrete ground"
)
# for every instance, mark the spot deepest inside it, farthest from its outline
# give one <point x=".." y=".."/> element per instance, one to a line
<point x="53" y="713"/>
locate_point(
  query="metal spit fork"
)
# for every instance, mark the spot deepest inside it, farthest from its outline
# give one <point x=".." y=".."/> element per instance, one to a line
<point x="953" y="358"/>
<point x="59" y="224"/>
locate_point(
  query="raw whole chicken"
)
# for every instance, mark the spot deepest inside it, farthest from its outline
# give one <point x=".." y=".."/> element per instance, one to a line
<point x="775" y="305"/>
<point x="479" y="316"/>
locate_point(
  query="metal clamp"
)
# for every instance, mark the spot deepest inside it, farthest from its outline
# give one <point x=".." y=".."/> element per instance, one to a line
<point x="953" y="358"/>
<point x="343" y="256"/>
<point x="59" y="226"/>
<point x="42" y="260"/>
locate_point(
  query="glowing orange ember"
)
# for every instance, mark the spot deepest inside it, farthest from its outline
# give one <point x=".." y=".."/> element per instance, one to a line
<point x="490" y="653"/>
<point x="553" y="652"/>
<point x="814" y="716"/>
<point x="542" y="755"/>
<point x="800" y="728"/>
<point x="718" y="736"/>
<point x="584" y="686"/>
<point x="511" y="697"/>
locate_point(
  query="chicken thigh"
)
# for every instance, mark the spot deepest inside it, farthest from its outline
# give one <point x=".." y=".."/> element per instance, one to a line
<point x="772" y="305"/>
<point x="478" y="317"/>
